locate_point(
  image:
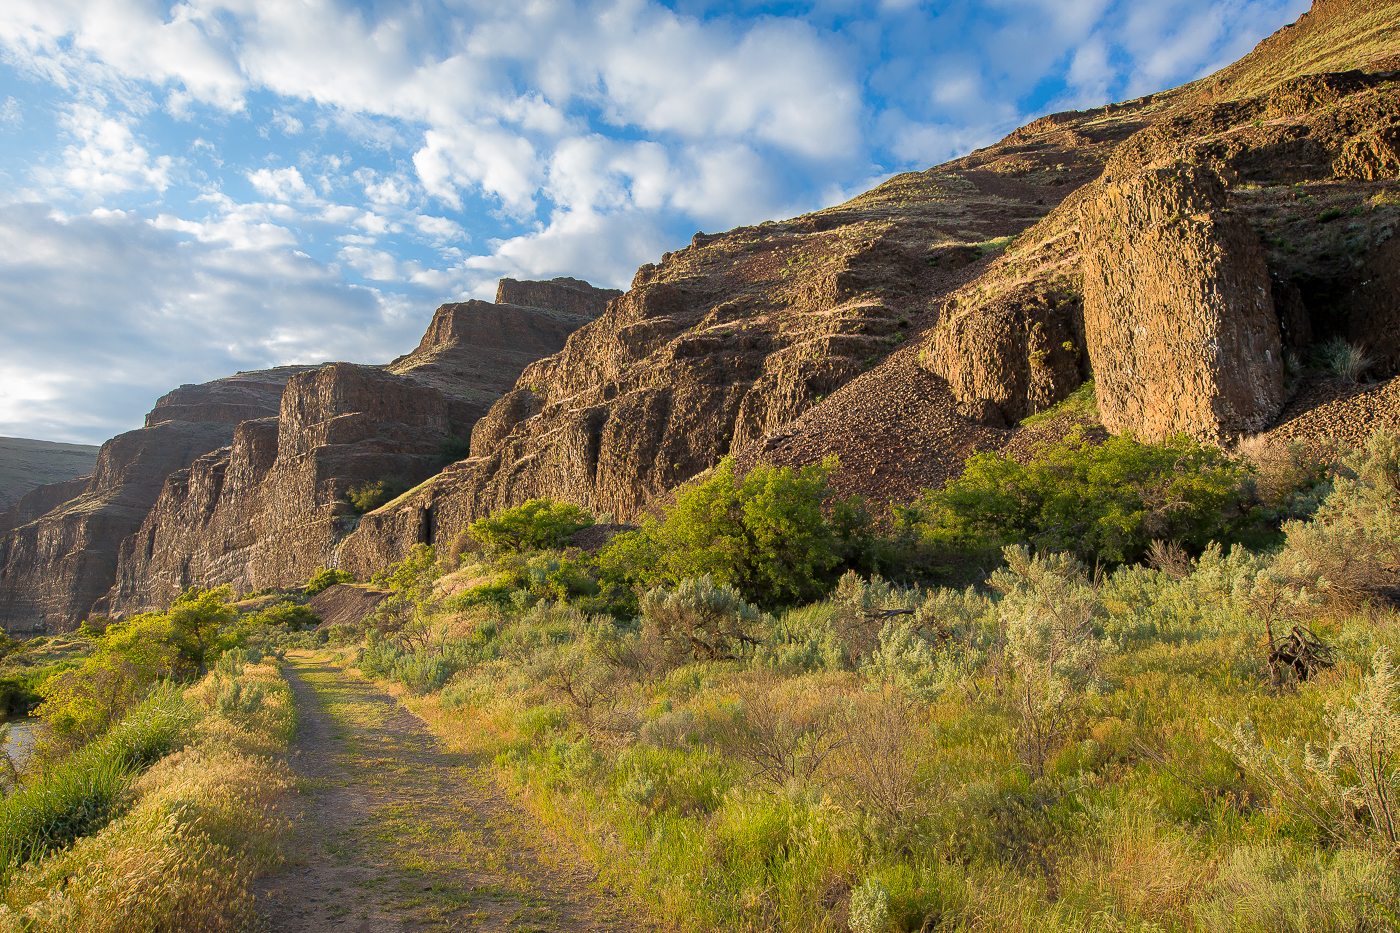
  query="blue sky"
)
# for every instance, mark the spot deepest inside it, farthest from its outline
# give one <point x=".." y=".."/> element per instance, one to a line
<point x="192" y="189"/>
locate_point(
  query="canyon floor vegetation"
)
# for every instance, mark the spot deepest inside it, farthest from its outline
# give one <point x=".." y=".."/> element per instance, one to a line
<point x="146" y="803"/>
<point x="1170" y="705"/>
<point x="1161" y="695"/>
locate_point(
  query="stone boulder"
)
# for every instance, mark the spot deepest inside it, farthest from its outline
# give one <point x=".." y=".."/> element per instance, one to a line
<point x="1011" y="356"/>
<point x="1179" y="316"/>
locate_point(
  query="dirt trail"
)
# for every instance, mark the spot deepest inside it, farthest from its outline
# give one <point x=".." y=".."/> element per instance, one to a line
<point x="397" y="833"/>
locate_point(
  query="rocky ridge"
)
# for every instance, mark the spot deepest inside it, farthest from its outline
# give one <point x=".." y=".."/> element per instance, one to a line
<point x="271" y="508"/>
<point x="1172" y="247"/>
<point x="56" y="564"/>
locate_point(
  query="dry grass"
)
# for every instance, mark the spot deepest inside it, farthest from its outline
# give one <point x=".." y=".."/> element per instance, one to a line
<point x="182" y="859"/>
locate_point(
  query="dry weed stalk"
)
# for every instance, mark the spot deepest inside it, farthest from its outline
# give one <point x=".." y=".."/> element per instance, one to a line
<point x="878" y="764"/>
<point x="785" y="740"/>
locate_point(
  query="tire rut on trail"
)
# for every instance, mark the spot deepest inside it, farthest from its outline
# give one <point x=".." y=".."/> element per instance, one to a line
<point x="398" y="833"/>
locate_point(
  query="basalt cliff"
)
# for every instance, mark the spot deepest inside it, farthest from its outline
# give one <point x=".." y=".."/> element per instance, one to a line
<point x="1184" y="250"/>
<point x="243" y="480"/>
<point x="1179" y="249"/>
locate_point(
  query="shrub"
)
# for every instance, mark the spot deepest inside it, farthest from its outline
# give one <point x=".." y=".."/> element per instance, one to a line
<point x="1103" y="502"/>
<point x="1359" y="773"/>
<point x="785" y="737"/>
<point x="454" y="448"/>
<point x="414" y="574"/>
<point x="199" y="619"/>
<point x="536" y="525"/>
<point x="325" y="578"/>
<point x="703" y="619"/>
<point x="1352" y="544"/>
<point x="1050" y="610"/>
<point x="366" y="497"/>
<point x="764" y="534"/>
<point x="870" y="908"/>
<point x="83" y="702"/>
<point x="879" y="765"/>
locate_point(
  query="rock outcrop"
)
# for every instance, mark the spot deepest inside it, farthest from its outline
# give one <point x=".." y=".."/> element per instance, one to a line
<point x="565" y="295"/>
<point x="56" y="565"/>
<point x="1179" y="316"/>
<point x="781" y="342"/>
<point x="41" y="500"/>
<point x="1012" y="356"/>
<point x="272" y="507"/>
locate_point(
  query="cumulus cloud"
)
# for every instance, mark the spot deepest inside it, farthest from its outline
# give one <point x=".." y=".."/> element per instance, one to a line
<point x="155" y="308"/>
<point x="284" y="184"/>
<point x="107" y="158"/>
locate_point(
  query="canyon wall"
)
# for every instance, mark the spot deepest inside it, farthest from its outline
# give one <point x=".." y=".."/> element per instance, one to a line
<point x="272" y="507"/>
<point x="56" y="564"/>
<point x="1171" y="248"/>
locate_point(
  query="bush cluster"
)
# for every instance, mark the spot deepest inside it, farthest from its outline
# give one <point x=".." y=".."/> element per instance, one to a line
<point x="760" y="697"/>
<point x="1105" y="502"/>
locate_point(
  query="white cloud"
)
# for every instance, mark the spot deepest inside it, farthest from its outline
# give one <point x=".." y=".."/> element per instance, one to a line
<point x="288" y="124"/>
<point x="12" y="112"/>
<point x="284" y="184"/>
<point x="440" y="229"/>
<point x="372" y="263"/>
<point x="485" y="158"/>
<point x="107" y="159"/>
<point x="154" y="309"/>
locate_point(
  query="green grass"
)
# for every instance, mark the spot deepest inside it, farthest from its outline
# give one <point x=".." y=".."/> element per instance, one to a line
<point x="87" y="790"/>
<point x="1081" y="403"/>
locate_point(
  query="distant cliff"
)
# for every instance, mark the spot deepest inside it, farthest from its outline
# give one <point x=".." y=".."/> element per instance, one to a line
<point x="27" y="464"/>
<point x="243" y="480"/>
<point x="271" y="508"/>
<point x="56" y="565"/>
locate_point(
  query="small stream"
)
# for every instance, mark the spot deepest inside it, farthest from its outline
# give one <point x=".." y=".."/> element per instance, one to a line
<point x="23" y="732"/>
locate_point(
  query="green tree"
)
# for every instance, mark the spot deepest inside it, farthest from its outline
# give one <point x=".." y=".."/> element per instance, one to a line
<point x="199" y="619"/>
<point x="766" y="534"/>
<point x="366" y="497"/>
<point x="82" y="703"/>
<point x="324" y="578"/>
<point x="535" y="525"/>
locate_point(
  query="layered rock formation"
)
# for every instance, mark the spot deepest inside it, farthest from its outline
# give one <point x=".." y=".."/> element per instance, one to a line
<point x="27" y="464"/>
<point x="1179" y="316"/>
<point x="1174" y="248"/>
<point x="272" y="507"/>
<point x="781" y="342"/>
<point x="56" y="565"/>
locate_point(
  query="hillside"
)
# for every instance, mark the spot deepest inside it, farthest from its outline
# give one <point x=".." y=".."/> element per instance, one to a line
<point x="1188" y="251"/>
<point x="26" y="464"/>
<point x="1180" y="249"/>
<point x="244" y="480"/>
